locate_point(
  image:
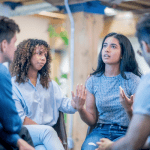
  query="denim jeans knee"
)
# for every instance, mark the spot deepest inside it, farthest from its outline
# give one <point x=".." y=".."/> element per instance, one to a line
<point x="109" y="131"/>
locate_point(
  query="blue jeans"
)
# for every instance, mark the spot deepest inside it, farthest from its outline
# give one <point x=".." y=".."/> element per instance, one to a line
<point x="110" y="131"/>
<point x="44" y="137"/>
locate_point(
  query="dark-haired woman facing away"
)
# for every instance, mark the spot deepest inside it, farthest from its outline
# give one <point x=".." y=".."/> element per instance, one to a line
<point x="116" y="67"/>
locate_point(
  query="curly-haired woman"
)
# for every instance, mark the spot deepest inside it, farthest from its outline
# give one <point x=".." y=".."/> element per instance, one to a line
<point x="38" y="98"/>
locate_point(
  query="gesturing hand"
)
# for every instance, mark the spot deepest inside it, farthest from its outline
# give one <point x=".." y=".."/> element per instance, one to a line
<point x="125" y="101"/>
<point x="78" y="100"/>
<point x="104" y="144"/>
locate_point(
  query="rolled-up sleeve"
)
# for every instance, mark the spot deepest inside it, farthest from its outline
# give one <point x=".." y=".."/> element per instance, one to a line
<point x="89" y="85"/>
<point x="19" y="107"/>
<point x="19" y="103"/>
<point x="63" y="103"/>
<point x="141" y="103"/>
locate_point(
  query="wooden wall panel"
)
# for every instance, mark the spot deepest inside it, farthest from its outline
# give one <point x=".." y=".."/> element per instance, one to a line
<point x="87" y="31"/>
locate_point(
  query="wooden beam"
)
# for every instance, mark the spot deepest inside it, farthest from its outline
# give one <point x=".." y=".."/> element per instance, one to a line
<point x="143" y="2"/>
<point x="128" y="5"/>
<point x="142" y="11"/>
<point x="87" y="31"/>
<point x="28" y="2"/>
<point x="14" y="1"/>
<point x="24" y="2"/>
<point x="53" y="15"/>
<point x="61" y="2"/>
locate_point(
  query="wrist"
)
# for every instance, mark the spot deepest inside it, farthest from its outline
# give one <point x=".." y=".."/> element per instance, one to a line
<point x="19" y="142"/>
<point x="110" y="146"/>
<point x="129" y="109"/>
<point x="81" y="109"/>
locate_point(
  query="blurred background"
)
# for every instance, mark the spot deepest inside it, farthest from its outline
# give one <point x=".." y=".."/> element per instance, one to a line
<point x="75" y="30"/>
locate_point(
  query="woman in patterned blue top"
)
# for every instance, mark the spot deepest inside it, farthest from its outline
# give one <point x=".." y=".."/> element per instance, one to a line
<point x="117" y="67"/>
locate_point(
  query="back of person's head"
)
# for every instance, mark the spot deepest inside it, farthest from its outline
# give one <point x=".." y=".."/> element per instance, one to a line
<point x="22" y="61"/>
<point x="143" y="29"/>
<point x="8" y="28"/>
<point x="128" y="62"/>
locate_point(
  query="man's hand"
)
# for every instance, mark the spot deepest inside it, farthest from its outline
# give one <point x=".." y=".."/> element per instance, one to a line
<point x="125" y="101"/>
<point x="104" y="144"/>
<point x="78" y="100"/>
<point x="23" y="145"/>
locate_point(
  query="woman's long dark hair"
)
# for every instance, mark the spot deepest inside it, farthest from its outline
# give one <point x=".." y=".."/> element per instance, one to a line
<point x="128" y="62"/>
<point x="22" y="62"/>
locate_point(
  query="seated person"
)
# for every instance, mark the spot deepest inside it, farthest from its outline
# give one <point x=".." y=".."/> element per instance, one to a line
<point x="139" y="128"/>
<point x="38" y="98"/>
<point x="117" y="67"/>
<point x="10" y="122"/>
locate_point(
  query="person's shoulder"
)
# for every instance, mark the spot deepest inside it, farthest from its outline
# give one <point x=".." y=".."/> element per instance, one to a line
<point x="3" y="71"/>
<point x="131" y="75"/>
<point x="13" y="79"/>
<point x="92" y="79"/>
<point x="53" y="83"/>
<point x="146" y="76"/>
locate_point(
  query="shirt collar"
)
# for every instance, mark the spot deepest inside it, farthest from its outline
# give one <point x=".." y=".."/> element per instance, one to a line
<point x="38" y="79"/>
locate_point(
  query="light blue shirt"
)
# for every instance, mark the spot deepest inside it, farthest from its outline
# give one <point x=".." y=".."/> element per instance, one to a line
<point x="40" y="104"/>
<point x="142" y="98"/>
<point x="106" y="93"/>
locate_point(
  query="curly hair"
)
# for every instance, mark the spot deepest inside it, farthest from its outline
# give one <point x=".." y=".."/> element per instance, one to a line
<point x="22" y="62"/>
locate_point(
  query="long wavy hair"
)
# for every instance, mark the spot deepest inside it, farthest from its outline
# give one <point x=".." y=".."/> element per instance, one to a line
<point x="22" y="61"/>
<point x="128" y="62"/>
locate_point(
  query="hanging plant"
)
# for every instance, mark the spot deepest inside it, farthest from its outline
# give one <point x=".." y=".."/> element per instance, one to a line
<point x="63" y="34"/>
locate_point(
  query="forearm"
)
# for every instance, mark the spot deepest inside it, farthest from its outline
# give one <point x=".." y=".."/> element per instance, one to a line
<point x="120" y="144"/>
<point x="125" y="143"/>
<point x="137" y="134"/>
<point x="129" y="113"/>
<point x="28" y="121"/>
<point x="88" y="118"/>
<point x="23" y="145"/>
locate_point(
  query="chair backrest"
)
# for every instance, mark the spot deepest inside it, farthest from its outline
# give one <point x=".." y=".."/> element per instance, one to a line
<point x="61" y="130"/>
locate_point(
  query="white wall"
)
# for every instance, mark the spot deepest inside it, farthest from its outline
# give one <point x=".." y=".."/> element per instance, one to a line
<point x="141" y="62"/>
<point x="32" y="27"/>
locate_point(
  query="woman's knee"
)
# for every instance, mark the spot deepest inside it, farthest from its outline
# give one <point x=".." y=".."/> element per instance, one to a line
<point x="89" y="145"/>
<point x="90" y="142"/>
<point x="40" y="147"/>
<point x="48" y="130"/>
